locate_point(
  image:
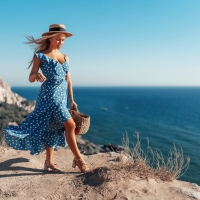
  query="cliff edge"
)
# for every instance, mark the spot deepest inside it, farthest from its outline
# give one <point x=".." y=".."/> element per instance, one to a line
<point x="22" y="177"/>
<point x="9" y="97"/>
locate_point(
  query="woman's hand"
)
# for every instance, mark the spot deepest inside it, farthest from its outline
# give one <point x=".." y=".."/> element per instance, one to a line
<point x="35" y="75"/>
<point x="74" y="105"/>
<point x="39" y="77"/>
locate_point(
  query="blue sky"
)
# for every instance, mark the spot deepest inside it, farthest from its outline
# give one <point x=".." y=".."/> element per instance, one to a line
<point x="114" y="43"/>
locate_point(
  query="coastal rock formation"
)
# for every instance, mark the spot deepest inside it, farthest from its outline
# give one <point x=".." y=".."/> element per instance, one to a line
<point x="8" y="96"/>
<point x="86" y="147"/>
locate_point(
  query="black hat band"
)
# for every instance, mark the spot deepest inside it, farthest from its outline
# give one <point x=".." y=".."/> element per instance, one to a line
<point x="57" y="29"/>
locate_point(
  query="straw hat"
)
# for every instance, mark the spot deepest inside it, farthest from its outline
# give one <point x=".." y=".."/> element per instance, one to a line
<point x="57" y="28"/>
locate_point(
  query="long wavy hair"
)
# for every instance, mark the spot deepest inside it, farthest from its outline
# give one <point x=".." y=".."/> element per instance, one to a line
<point x="40" y="44"/>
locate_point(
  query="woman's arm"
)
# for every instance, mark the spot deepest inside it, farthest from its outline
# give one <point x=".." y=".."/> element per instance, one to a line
<point x="34" y="74"/>
<point x="70" y="90"/>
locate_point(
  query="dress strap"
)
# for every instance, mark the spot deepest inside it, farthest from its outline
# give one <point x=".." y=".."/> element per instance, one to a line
<point x="64" y="57"/>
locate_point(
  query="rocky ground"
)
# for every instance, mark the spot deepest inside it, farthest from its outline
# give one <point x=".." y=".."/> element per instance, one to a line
<point x="22" y="177"/>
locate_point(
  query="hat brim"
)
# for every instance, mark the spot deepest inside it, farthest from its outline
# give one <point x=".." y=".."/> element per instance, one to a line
<point x="68" y="34"/>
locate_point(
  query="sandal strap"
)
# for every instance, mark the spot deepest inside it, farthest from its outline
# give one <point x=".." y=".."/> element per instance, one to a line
<point x="49" y="164"/>
<point x="80" y="160"/>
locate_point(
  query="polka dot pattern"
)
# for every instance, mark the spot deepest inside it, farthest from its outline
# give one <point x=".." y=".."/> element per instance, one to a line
<point x="44" y="126"/>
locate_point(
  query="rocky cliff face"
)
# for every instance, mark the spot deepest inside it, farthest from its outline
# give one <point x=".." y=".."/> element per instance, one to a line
<point x="8" y="96"/>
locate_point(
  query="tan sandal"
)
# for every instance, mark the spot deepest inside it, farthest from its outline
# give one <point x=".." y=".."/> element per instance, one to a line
<point x="81" y="165"/>
<point x="49" y="166"/>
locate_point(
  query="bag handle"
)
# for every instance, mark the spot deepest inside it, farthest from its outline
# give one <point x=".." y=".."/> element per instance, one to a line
<point x="75" y="109"/>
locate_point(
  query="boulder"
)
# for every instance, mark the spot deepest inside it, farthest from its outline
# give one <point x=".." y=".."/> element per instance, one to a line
<point x="86" y="147"/>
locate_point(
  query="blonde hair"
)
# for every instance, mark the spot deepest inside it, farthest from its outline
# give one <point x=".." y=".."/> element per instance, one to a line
<point x="40" y="44"/>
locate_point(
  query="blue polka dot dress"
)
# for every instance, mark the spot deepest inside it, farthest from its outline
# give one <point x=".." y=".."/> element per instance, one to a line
<point x="44" y="126"/>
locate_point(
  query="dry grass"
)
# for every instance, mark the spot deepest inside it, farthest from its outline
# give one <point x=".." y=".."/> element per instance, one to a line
<point x="136" y="163"/>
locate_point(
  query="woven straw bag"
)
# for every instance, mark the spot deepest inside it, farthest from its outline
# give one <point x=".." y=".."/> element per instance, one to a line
<point x="82" y="121"/>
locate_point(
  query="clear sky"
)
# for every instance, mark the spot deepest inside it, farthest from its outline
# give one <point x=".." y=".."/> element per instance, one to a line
<point x="114" y="43"/>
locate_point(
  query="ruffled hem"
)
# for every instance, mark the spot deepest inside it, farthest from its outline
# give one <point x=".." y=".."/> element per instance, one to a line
<point x="35" y="145"/>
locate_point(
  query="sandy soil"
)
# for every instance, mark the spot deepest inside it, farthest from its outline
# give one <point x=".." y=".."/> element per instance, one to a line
<point x="22" y="177"/>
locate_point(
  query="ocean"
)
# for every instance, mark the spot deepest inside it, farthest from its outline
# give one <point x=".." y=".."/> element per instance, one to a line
<point x="163" y="115"/>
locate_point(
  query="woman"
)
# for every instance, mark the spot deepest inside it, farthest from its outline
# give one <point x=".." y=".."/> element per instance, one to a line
<point x="50" y="124"/>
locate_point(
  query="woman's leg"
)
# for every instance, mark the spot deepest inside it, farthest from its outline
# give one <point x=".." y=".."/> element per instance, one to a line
<point x="49" y="157"/>
<point x="71" y="138"/>
<point x="49" y="153"/>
